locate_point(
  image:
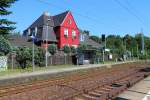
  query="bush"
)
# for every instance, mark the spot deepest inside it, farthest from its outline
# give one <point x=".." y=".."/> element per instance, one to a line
<point x="144" y="57"/>
<point x="52" y="49"/>
<point x="81" y="48"/>
<point x="73" y="49"/>
<point x="66" y="49"/>
<point x="5" y="46"/>
<point x="23" y="56"/>
<point x="39" y="56"/>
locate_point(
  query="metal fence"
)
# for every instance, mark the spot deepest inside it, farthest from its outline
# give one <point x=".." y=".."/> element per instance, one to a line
<point x="57" y="60"/>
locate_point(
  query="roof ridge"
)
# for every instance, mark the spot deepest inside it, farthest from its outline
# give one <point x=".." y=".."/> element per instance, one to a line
<point x="62" y="13"/>
<point x="59" y="18"/>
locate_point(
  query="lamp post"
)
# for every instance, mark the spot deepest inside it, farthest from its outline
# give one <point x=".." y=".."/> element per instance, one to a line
<point x="33" y="53"/>
<point x="46" y="54"/>
<point x="33" y="64"/>
<point x="142" y="43"/>
<point x="32" y="36"/>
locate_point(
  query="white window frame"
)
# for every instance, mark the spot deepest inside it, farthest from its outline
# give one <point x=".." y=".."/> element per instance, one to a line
<point x="73" y="33"/>
<point x="66" y="32"/>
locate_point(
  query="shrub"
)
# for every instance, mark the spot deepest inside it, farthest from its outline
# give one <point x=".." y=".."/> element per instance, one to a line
<point x="39" y="56"/>
<point x="81" y="48"/>
<point x="52" y="49"/>
<point x="73" y="49"/>
<point x="23" y="56"/>
<point x="66" y="49"/>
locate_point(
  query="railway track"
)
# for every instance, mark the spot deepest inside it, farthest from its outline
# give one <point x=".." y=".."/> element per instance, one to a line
<point x="102" y="84"/>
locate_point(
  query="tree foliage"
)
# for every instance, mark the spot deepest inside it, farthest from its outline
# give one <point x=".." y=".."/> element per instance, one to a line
<point x="5" y="46"/>
<point x="5" y="25"/>
<point x="39" y="56"/>
<point x="95" y="38"/>
<point x="120" y="45"/>
<point x="81" y="48"/>
<point x="66" y="49"/>
<point x="85" y="32"/>
<point x="23" y="55"/>
<point x="52" y="49"/>
<point x="73" y="49"/>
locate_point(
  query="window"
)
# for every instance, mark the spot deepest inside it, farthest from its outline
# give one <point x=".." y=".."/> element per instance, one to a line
<point x="66" y="32"/>
<point x="69" y="21"/>
<point x="82" y="37"/>
<point x="73" y="33"/>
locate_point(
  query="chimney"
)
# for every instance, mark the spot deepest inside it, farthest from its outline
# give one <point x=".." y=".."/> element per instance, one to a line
<point x="46" y="13"/>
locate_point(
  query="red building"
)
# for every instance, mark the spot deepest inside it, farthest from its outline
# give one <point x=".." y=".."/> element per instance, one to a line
<point x="60" y="29"/>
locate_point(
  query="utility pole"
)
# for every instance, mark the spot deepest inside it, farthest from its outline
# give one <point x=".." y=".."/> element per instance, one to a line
<point x="33" y="64"/>
<point x="104" y="46"/>
<point x="132" y="54"/>
<point x="46" y="55"/>
<point x="137" y="50"/>
<point x="142" y="42"/>
<point x="33" y="38"/>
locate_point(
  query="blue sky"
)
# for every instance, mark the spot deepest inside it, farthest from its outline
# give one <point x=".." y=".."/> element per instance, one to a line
<point x="97" y="16"/>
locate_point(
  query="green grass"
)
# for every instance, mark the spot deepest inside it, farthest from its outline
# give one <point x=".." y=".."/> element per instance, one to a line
<point x="16" y="71"/>
<point x="10" y="71"/>
<point x="108" y="62"/>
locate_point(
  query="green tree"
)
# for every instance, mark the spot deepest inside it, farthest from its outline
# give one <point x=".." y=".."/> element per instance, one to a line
<point x="6" y="25"/>
<point x="66" y="49"/>
<point x="52" y="49"/>
<point x="95" y="38"/>
<point x="85" y="32"/>
<point x="115" y="43"/>
<point x="23" y="55"/>
<point x="5" y="46"/>
<point x="130" y="43"/>
<point x="81" y="48"/>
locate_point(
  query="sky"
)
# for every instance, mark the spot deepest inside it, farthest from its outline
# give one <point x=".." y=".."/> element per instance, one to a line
<point x="117" y="17"/>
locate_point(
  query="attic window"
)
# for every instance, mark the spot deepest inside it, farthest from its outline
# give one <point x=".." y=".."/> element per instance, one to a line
<point x="69" y="21"/>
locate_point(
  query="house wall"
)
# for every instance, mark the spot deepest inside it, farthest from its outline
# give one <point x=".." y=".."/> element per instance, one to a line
<point x="70" y="41"/>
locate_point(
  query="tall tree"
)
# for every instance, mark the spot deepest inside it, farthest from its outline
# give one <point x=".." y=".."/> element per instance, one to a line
<point x="5" y="46"/>
<point x="85" y="32"/>
<point x="5" y="25"/>
<point x="95" y="38"/>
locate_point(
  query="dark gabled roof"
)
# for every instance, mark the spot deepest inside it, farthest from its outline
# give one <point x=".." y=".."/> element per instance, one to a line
<point x="19" y="41"/>
<point x="90" y="42"/>
<point x="41" y="23"/>
<point x="41" y="34"/>
<point x="54" y="20"/>
<point x="42" y="20"/>
<point x="58" y="19"/>
<point x="51" y="37"/>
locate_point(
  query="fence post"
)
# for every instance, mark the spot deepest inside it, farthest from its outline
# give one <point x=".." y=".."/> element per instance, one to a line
<point x="65" y="58"/>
